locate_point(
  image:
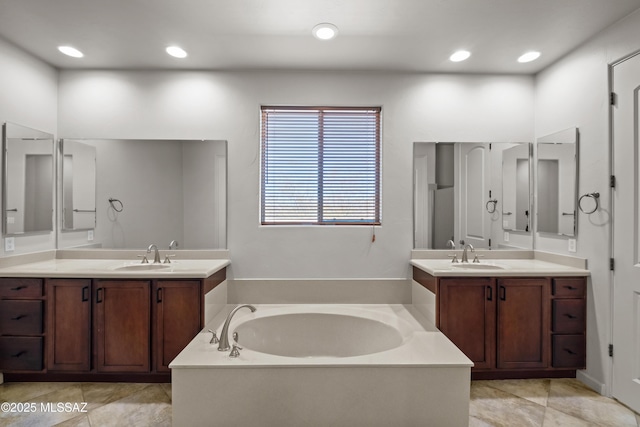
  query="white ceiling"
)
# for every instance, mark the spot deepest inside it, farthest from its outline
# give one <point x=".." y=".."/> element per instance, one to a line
<point x="403" y="35"/>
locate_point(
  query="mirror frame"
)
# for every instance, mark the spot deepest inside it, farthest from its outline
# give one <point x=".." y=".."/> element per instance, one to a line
<point x="29" y="134"/>
<point x="566" y="136"/>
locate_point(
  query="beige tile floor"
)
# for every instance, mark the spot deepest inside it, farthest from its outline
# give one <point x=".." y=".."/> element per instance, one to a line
<point x="540" y="403"/>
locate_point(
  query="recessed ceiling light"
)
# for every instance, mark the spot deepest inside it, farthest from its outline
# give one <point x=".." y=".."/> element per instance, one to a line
<point x="325" y="31"/>
<point x="460" y="55"/>
<point x="70" y="51"/>
<point x="529" y="56"/>
<point x="176" y="52"/>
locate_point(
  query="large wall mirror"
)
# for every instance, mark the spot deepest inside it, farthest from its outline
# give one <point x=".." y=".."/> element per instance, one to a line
<point x="460" y="195"/>
<point x="78" y="185"/>
<point x="557" y="183"/>
<point x="155" y="191"/>
<point x="28" y="202"/>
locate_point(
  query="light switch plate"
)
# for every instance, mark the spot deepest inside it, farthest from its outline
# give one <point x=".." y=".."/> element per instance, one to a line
<point x="9" y="244"/>
<point x="572" y="245"/>
<point x="506" y="236"/>
<point x="90" y="235"/>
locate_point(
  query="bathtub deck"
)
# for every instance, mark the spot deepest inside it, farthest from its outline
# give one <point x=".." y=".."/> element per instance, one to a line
<point x="425" y="381"/>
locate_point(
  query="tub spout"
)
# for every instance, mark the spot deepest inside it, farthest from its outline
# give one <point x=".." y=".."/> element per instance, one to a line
<point x="223" y="345"/>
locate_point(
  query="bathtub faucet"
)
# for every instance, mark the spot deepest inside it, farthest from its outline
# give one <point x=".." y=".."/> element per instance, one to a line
<point x="223" y="345"/>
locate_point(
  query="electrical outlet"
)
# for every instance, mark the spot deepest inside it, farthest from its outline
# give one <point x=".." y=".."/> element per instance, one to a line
<point x="11" y="220"/>
<point x="9" y="244"/>
<point x="505" y="223"/>
<point x="90" y="235"/>
<point x="572" y="245"/>
<point x="506" y="236"/>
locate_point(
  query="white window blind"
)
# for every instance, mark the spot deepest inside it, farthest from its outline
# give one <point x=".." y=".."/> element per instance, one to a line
<point x="320" y="165"/>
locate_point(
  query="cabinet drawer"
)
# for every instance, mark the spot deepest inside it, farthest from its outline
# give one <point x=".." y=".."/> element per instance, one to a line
<point x="21" y="353"/>
<point x="569" y="351"/>
<point x="569" y="287"/>
<point x="20" y="288"/>
<point x="568" y="316"/>
<point x="20" y="317"/>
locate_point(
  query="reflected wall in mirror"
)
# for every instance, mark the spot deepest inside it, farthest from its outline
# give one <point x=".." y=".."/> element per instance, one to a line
<point x="28" y="180"/>
<point x="458" y="195"/>
<point x="557" y="183"/>
<point x="162" y="190"/>
<point x="78" y="185"/>
<point x="516" y="188"/>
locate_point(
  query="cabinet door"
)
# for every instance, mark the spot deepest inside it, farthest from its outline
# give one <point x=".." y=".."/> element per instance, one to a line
<point x="467" y="314"/>
<point x="69" y="325"/>
<point x="523" y="323"/>
<point x="122" y="322"/>
<point x="177" y="318"/>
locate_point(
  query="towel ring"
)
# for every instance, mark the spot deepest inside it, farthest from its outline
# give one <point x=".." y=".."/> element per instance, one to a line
<point x="595" y="197"/>
<point x="113" y="203"/>
<point x="493" y="203"/>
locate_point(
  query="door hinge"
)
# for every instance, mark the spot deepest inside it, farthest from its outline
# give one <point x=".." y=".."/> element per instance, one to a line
<point x="612" y="98"/>
<point x="612" y="264"/>
<point x="612" y="181"/>
<point x="610" y="350"/>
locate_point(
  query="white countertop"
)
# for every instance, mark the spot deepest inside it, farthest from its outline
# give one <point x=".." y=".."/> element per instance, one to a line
<point x="497" y="268"/>
<point x="115" y="268"/>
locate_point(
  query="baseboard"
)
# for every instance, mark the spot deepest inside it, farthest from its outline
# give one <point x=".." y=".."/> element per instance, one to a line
<point x="591" y="382"/>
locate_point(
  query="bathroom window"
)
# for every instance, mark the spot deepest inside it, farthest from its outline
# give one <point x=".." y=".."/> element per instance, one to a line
<point x="320" y="166"/>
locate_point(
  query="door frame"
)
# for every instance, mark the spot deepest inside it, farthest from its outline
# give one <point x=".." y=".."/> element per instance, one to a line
<point x="610" y="73"/>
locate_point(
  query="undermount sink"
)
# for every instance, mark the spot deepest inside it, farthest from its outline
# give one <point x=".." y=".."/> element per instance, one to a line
<point x="143" y="267"/>
<point x="477" y="266"/>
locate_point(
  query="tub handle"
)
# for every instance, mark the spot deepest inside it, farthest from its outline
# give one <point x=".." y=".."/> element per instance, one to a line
<point x="214" y="338"/>
<point x="235" y="350"/>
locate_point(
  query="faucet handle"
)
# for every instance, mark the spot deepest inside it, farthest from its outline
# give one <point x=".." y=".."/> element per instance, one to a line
<point x="214" y="338"/>
<point x="166" y="258"/>
<point x="454" y="258"/>
<point x="235" y="350"/>
<point x="476" y="260"/>
<point x="144" y="259"/>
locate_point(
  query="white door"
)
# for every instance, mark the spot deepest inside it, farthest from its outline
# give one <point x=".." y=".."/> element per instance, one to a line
<point x="474" y="175"/>
<point x="626" y="199"/>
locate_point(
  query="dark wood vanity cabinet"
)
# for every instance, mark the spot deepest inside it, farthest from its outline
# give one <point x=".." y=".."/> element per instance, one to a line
<point x="513" y="327"/>
<point x="122" y="325"/>
<point x="522" y="323"/>
<point x="472" y="329"/>
<point x="84" y="329"/>
<point x="69" y="325"/>
<point x="568" y="326"/>
<point x="174" y="319"/>
<point x="21" y="324"/>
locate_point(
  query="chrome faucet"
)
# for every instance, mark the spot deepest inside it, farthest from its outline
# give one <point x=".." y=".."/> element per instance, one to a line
<point x="156" y="256"/>
<point x="223" y="345"/>
<point x="174" y="243"/>
<point x="464" y="252"/>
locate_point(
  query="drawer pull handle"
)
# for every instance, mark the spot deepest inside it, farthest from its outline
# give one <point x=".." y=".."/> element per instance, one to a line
<point x="570" y="316"/>
<point x="569" y="351"/>
<point x="18" y="288"/>
<point x="19" y="317"/>
<point x="571" y="288"/>
<point x="20" y="353"/>
<point x="490" y="297"/>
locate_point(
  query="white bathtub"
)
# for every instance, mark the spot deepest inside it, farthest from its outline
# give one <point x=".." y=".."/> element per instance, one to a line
<point x="318" y="365"/>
